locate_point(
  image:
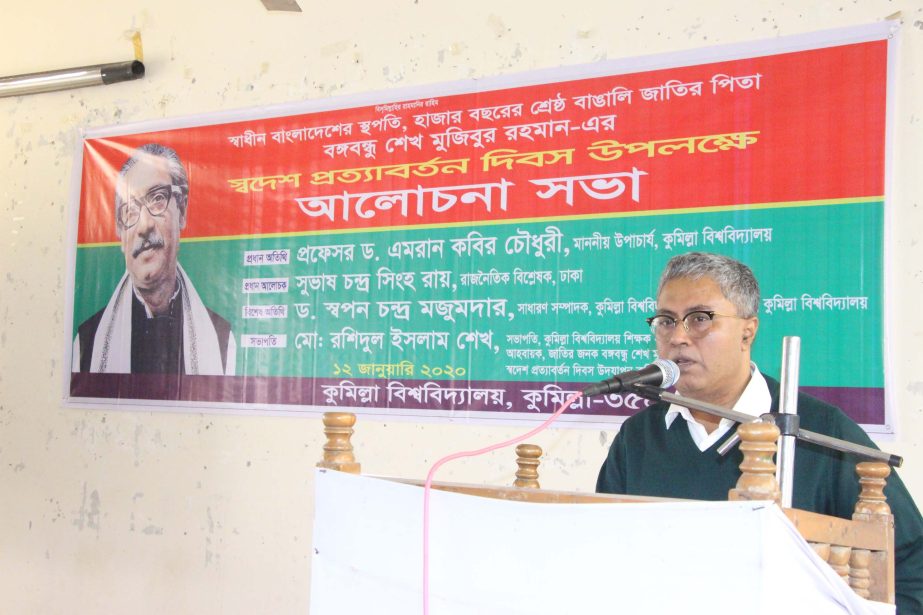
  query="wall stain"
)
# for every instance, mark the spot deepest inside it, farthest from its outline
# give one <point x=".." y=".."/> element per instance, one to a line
<point x="915" y="388"/>
<point x="88" y="515"/>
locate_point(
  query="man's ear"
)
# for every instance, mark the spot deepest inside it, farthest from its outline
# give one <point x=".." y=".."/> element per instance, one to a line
<point x="749" y="332"/>
<point x="182" y="216"/>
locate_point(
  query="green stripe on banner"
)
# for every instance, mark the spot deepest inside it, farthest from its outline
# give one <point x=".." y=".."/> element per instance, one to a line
<point x="532" y="301"/>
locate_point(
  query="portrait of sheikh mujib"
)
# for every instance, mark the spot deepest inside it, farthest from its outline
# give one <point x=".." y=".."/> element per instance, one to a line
<point x="154" y="322"/>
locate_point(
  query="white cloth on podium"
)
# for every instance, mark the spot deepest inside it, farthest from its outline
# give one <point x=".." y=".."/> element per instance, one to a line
<point x="503" y="557"/>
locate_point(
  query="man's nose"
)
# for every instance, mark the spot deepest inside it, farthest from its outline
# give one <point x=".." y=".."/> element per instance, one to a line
<point x="679" y="336"/>
<point x="145" y="221"/>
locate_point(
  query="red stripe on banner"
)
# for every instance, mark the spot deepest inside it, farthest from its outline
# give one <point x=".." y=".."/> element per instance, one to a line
<point x="753" y="134"/>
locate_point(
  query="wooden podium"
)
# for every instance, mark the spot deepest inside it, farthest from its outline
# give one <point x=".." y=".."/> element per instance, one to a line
<point x="525" y="550"/>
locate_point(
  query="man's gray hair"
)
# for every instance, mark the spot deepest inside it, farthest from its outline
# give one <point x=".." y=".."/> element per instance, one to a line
<point x="174" y="166"/>
<point x="736" y="280"/>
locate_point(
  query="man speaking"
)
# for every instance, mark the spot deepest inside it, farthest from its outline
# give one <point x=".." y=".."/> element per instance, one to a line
<point x="155" y="321"/>
<point x="706" y="322"/>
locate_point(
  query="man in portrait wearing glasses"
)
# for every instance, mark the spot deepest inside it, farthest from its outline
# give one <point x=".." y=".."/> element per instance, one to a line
<point x="706" y="322"/>
<point x="155" y="321"/>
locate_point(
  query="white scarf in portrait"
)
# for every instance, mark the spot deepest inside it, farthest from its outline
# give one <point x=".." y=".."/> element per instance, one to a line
<point x="201" y="349"/>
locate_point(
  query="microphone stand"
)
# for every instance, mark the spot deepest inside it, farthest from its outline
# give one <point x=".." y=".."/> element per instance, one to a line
<point x="788" y="409"/>
<point x="866" y="452"/>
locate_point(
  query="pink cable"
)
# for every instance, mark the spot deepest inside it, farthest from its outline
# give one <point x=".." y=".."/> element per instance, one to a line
<point x="429" y="481"/>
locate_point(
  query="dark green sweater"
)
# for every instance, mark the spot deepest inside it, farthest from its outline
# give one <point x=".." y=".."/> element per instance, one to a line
<point x="646" y="458"/>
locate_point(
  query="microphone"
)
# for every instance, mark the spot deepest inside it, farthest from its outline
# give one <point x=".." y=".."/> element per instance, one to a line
<point x="661" y="373"/>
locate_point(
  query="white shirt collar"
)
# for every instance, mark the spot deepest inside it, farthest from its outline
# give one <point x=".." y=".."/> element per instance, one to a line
<point x="755" y="401"/>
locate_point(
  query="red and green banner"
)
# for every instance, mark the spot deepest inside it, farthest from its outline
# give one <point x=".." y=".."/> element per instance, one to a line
<point x="483" y="249"/>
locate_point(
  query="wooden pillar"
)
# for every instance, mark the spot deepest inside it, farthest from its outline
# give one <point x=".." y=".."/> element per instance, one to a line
<point x="839" y="560"/>
<point x="860" y="578"/>
<point x="528" y="460"/>
<point x="822" y="549"/>
<point x="338" y="451"/>
<point x="871" y="573"/>
<point x="872" y="504"/>
<point x="758" y="470"/>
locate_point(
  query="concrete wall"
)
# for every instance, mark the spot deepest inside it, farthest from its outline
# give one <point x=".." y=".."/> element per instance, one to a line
<point x="148" y="512"/>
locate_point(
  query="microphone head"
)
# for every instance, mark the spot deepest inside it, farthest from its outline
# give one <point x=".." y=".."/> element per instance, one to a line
<point x="670" y="372"/>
